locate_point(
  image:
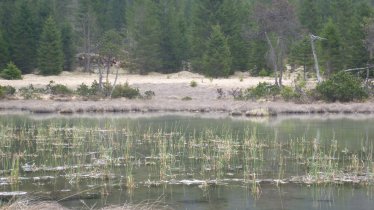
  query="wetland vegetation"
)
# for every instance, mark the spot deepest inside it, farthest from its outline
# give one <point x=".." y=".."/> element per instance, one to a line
<point x="101" y="161"/>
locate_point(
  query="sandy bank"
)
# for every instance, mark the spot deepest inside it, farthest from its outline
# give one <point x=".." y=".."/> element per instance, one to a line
<point x="169" y="90"/>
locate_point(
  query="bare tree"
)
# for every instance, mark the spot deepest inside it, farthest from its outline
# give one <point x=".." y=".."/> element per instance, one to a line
<point x="369" y="39"/>
<point x="111" y="50"/>
<point x="277" y="23"/>
<point x="86" y="26"/>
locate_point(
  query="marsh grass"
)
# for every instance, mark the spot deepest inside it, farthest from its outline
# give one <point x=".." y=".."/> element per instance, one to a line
<point x="106" y="155"/>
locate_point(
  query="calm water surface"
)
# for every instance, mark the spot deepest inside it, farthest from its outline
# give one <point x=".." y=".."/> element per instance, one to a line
<point x="56" y="157"/>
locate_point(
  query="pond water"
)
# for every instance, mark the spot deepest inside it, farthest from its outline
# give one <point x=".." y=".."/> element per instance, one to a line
<point x="189" y="162"/>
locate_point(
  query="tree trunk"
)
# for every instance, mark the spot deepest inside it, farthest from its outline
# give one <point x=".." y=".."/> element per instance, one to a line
<point x="114" y="83"/>
<point x="273" y="58"/>
<point x="100" y="78"/>
<point x="107" y="65"/>
<point x="316" y="66"/>
<point x="280" y="48"/>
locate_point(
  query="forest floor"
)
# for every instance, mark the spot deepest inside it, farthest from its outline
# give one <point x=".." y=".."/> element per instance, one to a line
<point x="169" y="91"/>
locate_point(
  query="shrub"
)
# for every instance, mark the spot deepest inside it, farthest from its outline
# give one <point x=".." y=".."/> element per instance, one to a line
<point x="11" y="72"/>
<point x="83" y="90"/>
<point x="342" y="87"/>
<point x="7" y="91"/>
<point x="95" y="88"/>
<point x="263" y="73"/>
<point x="187" y="98"/>
<point x="288" y="93"/>
<point x="30" y="92"/>
<point x="58" y="89"/>
<point x="237" y="94"/>
<point x="125" y="91"/>
<point x="263" y="89"/>
<point x="149" y="94"/>
<point x="193" y="83"/>
<point x="221" y="93"/>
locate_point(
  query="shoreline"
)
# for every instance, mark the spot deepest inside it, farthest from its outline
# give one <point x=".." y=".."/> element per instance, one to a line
<point x="227" y="107"/>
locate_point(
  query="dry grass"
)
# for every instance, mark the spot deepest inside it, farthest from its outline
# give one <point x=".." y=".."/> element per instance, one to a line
<point x="24" y="204"/>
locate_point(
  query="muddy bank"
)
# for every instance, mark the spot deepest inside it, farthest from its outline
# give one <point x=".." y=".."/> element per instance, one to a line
<point x="227" y="106"/>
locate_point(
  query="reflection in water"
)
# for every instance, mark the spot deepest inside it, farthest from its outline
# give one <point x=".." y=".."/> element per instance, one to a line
<point x="190" y="162"/>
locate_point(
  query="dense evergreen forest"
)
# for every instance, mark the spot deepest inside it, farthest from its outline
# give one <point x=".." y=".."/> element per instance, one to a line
<point x="213" y="37"/>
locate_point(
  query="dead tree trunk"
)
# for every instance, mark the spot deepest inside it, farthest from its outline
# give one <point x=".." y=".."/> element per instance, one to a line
<point x="273" y="58"/>
<point x="316" y="66"/>
<point x="114" y="83"/>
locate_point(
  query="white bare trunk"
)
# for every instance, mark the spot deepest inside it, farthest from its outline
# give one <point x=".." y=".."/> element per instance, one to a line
<point x="316" y="66"/>
<point x="273" y="58"/>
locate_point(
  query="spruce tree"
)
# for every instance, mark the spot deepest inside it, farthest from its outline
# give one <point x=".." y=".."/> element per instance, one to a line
<point x="4" y="52"/>
<point x="217" y="57"/>
<point x="68" y="46"/>
<point x="50" y="53"/>
<point x="24" y="40"/>
<point x="301" y="54"/>
<point x="232" y="15"/>
<point x="331" y="48"/>
<point x="309" y="15"/>
<point x="145" y="36"/>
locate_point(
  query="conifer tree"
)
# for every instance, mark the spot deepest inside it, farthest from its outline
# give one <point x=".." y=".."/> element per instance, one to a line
<point x="50" y="53"/>
<point x="68" y="46"/>
<point x="217" y="57"/>
<point x="145" y="36"/>
<point x="309" y="15"/>
<point x="24" y="44"/>
<point x="4" y="52"/>
<point x="331" y="48"/>
<point x="232" y="15"/>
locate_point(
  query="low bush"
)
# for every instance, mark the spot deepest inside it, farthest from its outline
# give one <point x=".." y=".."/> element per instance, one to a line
<point x="262" y="90"/>
<point x="193" y="83"/>
<point x="83" y="90"/>
<point x="58" y="89"/>
<point x="125" y="91"/>
<point x="7" y="90"/>
<point x="288" y="93"/>
<point x="11" y="72"/>
<point x="342" y="87"/>
<point x="263" y="73"/>
<point x="30" y="92"/>
<point x="187" y="98"/>
<point x="149" y="94"/>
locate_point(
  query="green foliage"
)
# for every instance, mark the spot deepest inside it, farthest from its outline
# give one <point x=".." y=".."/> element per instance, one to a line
<point x="145" y="30"/>
<point x="193" y="83"/>
<point x="309" y="15"/>
<point x="83" y="90"/>
<point x="68" y="48"/>
<point x="50" y="53"/>
<point x="263" y="89"/>
<point x="186" y="98"/>
<point x="288" y="93"/>
<point x="6" y="91"/>
<point x="30" y="92"/>
<point x="11" y="72"/>
<point x="263" y="73"/>
<point x="168" y="36"/>
<point x="111" y="45"/>
<point x="217" y="58"/>
<point x="301" y="54"/>
<point x="24" y="38"/>
<point x="92" y="91"/>
<point x="331" y="48"/>
<point x="342" y="87"/>
<point x="125" y="91"/>
<point x="4" y="51"/>
<point x="58" y="89"/>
